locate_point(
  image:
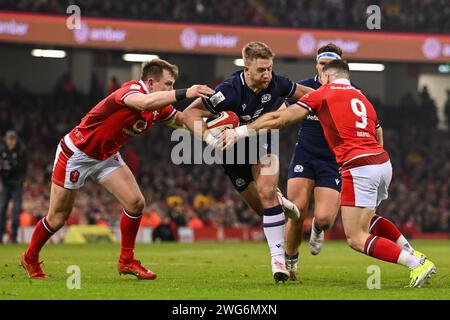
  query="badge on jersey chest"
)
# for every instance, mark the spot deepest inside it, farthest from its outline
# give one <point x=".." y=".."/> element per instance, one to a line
<point x="266" y="98"/>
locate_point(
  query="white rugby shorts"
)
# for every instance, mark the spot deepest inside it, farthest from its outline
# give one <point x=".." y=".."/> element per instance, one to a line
<point x="72" y="166"/>
<point x="366" y="186"/>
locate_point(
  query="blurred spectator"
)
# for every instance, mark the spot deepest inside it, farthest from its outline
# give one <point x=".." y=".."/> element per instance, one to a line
<point x="113" y="85"/>
<point x="13" y="169"/>
<point x="151" y="219"/>
<point x="96" y="93"/>
<point x="447" y="108"/>
<point x="195" y="222"/>
<point x="165" y="231"/>
<point x="431" y="16"/>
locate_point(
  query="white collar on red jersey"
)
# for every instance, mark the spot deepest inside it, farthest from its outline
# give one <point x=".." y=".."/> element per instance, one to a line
<point x="343" y="81"/>
<point x="144" y="86"/>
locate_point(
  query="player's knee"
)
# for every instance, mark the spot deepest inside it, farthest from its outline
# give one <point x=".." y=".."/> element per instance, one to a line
<point x="323" y="223"/>
<point x="267" y="193"/>
<point x="136" y="205"/>
<point x="302" y="205"/>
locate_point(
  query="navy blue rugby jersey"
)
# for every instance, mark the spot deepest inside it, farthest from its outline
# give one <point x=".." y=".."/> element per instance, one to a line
<point x="233" y="94"/>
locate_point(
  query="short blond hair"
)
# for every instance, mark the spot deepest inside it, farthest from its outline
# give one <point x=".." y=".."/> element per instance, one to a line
<point x="256" y="50"/>
<point x="154" y="69"/>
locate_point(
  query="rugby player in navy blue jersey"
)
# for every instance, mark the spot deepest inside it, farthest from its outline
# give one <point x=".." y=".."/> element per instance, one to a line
<point x="250" y="93"/>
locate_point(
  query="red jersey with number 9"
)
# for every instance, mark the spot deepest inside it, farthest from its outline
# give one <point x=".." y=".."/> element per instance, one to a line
<point x="348" y="120"/>
<point x="105" y="129"/>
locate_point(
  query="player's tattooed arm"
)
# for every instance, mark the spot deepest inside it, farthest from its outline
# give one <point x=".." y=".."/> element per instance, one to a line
<point x="161" y="99"/>
<point x="301" y="91"/>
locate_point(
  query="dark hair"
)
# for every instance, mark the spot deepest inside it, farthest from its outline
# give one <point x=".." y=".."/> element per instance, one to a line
<point x="154" y="69"/>
<point x="339" y="65"/>
<point x="331" y="47"/>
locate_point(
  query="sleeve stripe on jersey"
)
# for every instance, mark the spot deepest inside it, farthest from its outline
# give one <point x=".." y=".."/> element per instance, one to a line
<point x="171" y="115"/>
<point x="378" y="126"/>
<point x="208" y="106"/>
<point x="128" y="94"/>
<point x="294" y="87"/>
<point x="304" y="105"/>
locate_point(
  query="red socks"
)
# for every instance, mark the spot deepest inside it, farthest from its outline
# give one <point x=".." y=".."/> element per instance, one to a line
<point x="382" y="227"/>
<point x="129" y="227"/>
<point x="41" y="234"/>
<point x="382" y="249"/>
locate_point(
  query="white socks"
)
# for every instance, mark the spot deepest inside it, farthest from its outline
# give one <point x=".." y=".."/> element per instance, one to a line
<point x="274" y="229"/>
<point x="409" y="260"/>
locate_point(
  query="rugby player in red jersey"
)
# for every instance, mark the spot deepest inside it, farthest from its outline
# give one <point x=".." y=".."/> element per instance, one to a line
<point x="349" y="122"/>
<point x="92" y="150"/>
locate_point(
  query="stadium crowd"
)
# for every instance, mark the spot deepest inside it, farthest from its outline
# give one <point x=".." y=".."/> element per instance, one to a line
<point x="201" y="195"/>
<point x="431" y="16"/>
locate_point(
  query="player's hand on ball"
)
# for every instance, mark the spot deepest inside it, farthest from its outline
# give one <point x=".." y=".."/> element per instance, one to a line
<point x="199" y="91"/>
<point x="228" y="139"/>
<point x="211" y="140"/>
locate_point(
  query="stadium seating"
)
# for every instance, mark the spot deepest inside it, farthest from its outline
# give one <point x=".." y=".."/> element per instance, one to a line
<point x="432" y="16"/>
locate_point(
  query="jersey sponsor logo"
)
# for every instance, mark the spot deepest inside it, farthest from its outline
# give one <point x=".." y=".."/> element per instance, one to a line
<point x="247" y="119"/>
<point x="140" y="126"/>
<point x="244" y="106"/>
<point x="258" y="113"/>
<point x="342" y="88"/>
<point x="217" y="99"/>
<point x="299" y="169"/>
<point x="135" y="87"/>
<point x="74" y="176"/>
<point x="337" y="181"/>
<point x="313" y="118"/>
<point x="266" y="98"/>
<point x="240" y="182"/>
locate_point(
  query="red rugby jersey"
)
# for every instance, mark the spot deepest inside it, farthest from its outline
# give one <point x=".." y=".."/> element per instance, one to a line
<point x="104" y="130"/>
<point x="348" y="120"/>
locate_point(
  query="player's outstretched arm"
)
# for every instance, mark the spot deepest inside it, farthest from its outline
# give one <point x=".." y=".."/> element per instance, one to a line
<point x="279" y="119"/>
<point x="176" y="122"/>
<point x="274" y="120"/>
<point x="161" y="99"/>
<point x="301" y="91"/>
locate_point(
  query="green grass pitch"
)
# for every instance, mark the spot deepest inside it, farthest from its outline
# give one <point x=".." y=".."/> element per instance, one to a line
<point x="213" y="271"/>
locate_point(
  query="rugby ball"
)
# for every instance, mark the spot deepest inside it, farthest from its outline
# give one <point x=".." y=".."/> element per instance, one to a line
<point x="222" y="121"/>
